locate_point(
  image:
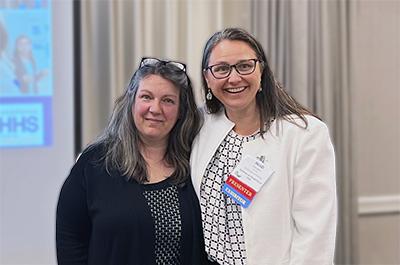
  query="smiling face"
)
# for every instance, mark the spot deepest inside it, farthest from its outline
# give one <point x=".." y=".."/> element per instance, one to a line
<point x="155" y="110"/>
<point x="236" y="92"/>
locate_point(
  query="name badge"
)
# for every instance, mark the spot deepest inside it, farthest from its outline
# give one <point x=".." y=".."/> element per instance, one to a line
<point x="246" y="180"/>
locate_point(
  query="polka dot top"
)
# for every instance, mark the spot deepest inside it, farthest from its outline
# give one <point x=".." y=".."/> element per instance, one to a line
<point x="164" y="207"/>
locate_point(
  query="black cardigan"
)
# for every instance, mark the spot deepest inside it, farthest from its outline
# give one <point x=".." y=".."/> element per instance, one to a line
<point x="105" y="219"/>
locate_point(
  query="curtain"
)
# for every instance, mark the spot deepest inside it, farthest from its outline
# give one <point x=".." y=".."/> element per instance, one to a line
<point x="116" y="34"/>
<point x="307" y="43"/>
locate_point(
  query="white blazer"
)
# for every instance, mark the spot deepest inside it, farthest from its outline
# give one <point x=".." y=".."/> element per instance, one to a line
<point x="292" y="219"/>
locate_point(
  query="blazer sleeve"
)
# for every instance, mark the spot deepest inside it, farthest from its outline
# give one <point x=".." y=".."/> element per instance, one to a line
<point x="314" y="205"/>
<point x="73" y="225"/>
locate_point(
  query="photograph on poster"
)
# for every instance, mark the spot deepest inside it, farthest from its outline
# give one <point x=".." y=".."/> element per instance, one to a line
<point x="26" y="88"/>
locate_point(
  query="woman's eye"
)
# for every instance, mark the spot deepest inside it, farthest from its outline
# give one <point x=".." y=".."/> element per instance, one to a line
<point x="169" y="101"/>
<point x="221" y="68"/>
<point x="244" y="66"/>
<point x="145" y="97"/>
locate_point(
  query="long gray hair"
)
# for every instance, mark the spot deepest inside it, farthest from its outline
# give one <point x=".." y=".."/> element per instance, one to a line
<point x="273" y="101"/>
<point x="120" y="139"/>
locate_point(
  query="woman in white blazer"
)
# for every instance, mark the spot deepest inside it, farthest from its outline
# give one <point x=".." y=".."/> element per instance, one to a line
<point x="262" y="165"/>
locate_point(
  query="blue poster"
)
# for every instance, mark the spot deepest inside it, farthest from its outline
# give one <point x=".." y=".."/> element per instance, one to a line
<point x="26" y="85"/>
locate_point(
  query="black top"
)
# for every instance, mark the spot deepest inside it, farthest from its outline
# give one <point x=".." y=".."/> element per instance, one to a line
<point x="106" y="219"/>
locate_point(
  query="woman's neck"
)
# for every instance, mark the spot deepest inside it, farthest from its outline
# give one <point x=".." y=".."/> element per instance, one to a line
<point x="246" y="122"/>
<point x="153" y="153"/>
<point x="157" y="168"/>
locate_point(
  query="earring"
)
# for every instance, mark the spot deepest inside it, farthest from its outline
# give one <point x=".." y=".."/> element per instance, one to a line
<point x="260" y="89"/>
<point x="209" y="96"/>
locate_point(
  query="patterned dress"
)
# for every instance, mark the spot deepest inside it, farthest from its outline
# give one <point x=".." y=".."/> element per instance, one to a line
<point x="221" y="216"/>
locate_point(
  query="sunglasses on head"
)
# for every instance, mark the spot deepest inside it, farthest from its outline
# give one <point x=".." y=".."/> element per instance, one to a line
<point x="152" y="61"/>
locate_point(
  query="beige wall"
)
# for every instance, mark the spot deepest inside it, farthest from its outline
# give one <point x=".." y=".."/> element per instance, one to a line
<point x="376" y="131"/>
<point x="379" y="239"/>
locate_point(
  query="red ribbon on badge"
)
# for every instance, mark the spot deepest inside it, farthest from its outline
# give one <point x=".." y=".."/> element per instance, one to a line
<point x="241" y="187"/>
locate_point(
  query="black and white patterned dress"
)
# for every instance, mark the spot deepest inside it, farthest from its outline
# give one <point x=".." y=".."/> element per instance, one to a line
<point x="221" y="216"/>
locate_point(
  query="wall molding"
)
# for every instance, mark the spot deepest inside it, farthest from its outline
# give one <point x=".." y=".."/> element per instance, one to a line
<point x="385" y="204"/>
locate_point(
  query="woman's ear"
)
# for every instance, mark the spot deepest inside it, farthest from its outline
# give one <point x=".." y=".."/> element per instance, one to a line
<point x="206" y="78"/>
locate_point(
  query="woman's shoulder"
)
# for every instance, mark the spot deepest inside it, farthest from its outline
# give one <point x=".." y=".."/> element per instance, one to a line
<point x="294" y="127"/>
<point x="309" y="122"/>
<point x="87" y="161"/>
<point x="90" y="155"/>
<point x="218" y="119"/>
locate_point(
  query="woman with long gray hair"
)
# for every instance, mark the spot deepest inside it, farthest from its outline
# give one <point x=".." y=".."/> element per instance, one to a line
<point x="129" y="197"/>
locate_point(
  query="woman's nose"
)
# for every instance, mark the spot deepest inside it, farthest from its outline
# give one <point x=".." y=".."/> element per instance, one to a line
<point x="155" y="107"/>
<point x="234" y="76"/>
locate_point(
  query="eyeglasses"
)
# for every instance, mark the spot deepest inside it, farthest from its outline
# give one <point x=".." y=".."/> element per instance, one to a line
<point x="152" y="61"/>
<point x="223" y="70"/>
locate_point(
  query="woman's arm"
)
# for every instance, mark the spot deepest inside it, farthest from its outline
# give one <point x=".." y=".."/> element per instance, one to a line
<point x="314" y="208"/>
<point x="73" y="224"/>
